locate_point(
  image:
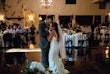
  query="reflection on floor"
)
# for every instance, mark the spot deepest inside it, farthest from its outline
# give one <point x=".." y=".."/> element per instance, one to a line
<point x="94" y="64"/>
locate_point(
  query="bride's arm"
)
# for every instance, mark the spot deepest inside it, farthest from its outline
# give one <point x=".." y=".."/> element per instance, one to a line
<point x="50" y="36"/>
<point x="56" y="35"/>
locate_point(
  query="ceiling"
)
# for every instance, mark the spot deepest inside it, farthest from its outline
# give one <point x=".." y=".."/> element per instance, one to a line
<point x="101" y="1"/>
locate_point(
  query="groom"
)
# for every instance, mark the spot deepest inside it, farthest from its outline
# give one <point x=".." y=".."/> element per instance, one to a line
<point x="43" y="28"/>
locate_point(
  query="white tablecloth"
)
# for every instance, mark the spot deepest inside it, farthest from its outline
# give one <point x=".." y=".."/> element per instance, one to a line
<point x="13" y="50"/>
<point x="30" y="54"/>
<point x="80" y="36"/>
<point x="75" y="38"/>
<point x="72" y="40"/>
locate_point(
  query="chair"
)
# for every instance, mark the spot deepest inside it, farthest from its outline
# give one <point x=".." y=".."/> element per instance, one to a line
<point x="82" y="48"/>
<point x="69" y="47"/>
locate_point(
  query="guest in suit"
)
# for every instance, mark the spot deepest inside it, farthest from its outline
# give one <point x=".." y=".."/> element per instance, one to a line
<point x="78" y="28"/>
<point x="43" y="29"/>
<point x="32" y="33"/>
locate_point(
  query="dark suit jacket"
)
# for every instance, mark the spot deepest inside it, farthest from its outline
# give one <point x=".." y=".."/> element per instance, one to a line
<point x="43" y="42"/>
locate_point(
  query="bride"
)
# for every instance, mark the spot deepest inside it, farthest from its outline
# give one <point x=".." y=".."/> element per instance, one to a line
<point x="55" y="52"/>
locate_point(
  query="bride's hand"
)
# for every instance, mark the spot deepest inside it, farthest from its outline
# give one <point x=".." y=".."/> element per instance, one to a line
<point x="46" y="29"/>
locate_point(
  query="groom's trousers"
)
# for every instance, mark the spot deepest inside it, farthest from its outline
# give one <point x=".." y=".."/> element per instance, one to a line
<point x="45" y="46"/>
<point x="45" y="53"/>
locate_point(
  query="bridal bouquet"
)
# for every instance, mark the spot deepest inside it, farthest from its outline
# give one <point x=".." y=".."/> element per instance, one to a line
<point x="35" y="68"/>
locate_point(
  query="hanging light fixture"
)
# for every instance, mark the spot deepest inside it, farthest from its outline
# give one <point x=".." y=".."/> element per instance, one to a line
<point x="46" y="3"/>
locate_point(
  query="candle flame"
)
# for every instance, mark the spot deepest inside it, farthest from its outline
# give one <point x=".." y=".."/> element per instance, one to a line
<point x="31" y="46"/>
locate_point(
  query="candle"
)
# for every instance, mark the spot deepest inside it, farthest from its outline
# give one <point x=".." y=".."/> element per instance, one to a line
<point x="31" y="46"/>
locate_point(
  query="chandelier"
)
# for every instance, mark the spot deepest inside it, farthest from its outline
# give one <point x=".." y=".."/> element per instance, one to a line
<point x="46" y="3"/>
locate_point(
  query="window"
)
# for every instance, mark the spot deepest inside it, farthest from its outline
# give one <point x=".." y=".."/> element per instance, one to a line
<point x="84" y="20"/>
<point x="70" y="1"/>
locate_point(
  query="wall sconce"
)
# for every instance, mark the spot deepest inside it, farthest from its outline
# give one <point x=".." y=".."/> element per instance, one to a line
<point x="40" y="18"/>
<point x="109" y="14"/>
<point x="31" y="17"/>
<point x="2" y="17"/>
<point x="107" y="53"/>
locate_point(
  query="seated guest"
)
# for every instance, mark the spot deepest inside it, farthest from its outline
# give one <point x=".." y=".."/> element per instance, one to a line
<point x="14" y="29"/>
<point x="7" y="37"/>
<point x="32" y="33"/>
<point x="20" y="30"/>
<point x="92" y="28"/>
<point x="61" y="25"/>
<point x="69" y="25"/>
<point x="78" y="28"/>
<point x="98" y="29"/>
<point x="64" y="29"/>
<point x="21" y="35"/>
<point x="3" y="25"/>
<point x="15" y="37"/>
<point x="8" y="29"/>
<point x="26" y="28"/>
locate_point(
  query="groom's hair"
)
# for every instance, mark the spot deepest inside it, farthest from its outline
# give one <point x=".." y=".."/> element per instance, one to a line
<point x="49" y="17"/>
<point x="55" y="26"/>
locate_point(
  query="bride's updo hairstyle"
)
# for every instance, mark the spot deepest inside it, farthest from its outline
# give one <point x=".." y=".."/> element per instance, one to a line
<point x="55" y="26"/>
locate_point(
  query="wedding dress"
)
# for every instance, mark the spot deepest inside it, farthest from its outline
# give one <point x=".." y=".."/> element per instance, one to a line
<point x="55" y="63"/>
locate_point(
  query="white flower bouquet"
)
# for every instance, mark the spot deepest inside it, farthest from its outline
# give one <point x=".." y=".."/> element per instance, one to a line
<point x="35" y="68"/>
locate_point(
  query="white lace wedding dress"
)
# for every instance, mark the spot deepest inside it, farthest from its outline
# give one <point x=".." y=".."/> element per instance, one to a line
<point x="55" y="63"/>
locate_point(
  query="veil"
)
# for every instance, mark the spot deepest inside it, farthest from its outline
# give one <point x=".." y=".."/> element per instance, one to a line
<point x="61" y="43"/>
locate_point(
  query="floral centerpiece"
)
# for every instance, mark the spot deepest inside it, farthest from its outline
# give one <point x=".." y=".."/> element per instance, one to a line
<point x="34" y="68"/>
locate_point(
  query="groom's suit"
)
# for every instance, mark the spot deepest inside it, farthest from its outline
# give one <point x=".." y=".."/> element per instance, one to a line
<point x="43" y="42"/>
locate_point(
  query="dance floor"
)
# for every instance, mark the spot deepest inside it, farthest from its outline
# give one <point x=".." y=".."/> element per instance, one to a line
<point x="94" y="63"/>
